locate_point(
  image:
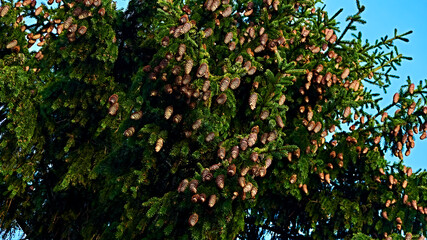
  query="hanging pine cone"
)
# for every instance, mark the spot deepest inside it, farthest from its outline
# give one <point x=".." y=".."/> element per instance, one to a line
<point x="4" y="10"/>
<point x="183" y="185"/>
<point x="396" y="98"/>
<point x="221" y="153"/>
<point x="206" y="175"/>
<point x="279" y="121"/>
<point x="129" y="132"/>
<point x="254" y="156"/>
<point x="231" y="170"/>
<point x="264" y="114"/>
<point x="235" y="83"/>
<point x="12" y="44"/>
<point x="347" y="112"/>
<point x="202" y="198"/>
<point x="210" y="137"/>
<point x="193" y="185"/>
<point x="181" y="49"/>
<point x="242" y="182"/>
<point x="404" y="184"/>
<point x="113" y="109"/>
<point x="188" y="66"/>
<point x="101" y="11"/>
<point x="195" y="198"/>
<point x="235" y="152"/>
<point x="244" y="144"/>
<point x="251" y="140"/>
<point x="196" y="125"/>
<point x="304" y="188"/>
<point x="411" y="108"/>
<point x="318" y="127"/>
<point x="177" y="118"/>
<point x="225" y="82"/>
<point x="232" y="46"/>
<point x="248" y="187"/>
<point x="262" y="171"/>
<point x="165" y="41"/>
<point x="345" y="73"/>
<point x="222" y="98"/>
<point x="252" y="101"/>
<point x="252" y="70"/>
<point x="192" y="220"/>
<point x="220" y="181"/>
<point x="384" y="214"/>
<point x="268" y="161"/>
<point x="228" y="37"/>
<point x="254" y="191"/>
<point x="411" y="88"/>
<point x="409" y="172"/>
<point x="212" y="200"/>
<point x="244" y="171"/>
<point x="263" y="39"/>
<point x="328" y="178"/>
<point x="293" y="179"/>
<point x="227" y="12"/>
<point x="202" y="70"/>
<point x="168" y="112"/>
<point x="159" y="144"/>
<point x="208" y="32"/>
<point x="136" y="115"/>
<point x="82" y="30"/>
<point x="259" y="49"/>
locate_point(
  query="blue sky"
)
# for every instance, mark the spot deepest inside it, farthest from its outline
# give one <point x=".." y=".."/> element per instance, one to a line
<point x="382" y="17"/>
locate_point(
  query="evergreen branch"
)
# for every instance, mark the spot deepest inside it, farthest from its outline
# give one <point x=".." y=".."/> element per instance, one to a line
<point x="350" y="24"/>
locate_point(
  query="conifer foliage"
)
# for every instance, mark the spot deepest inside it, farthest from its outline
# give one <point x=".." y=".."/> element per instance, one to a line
<point x="203" y="119"/>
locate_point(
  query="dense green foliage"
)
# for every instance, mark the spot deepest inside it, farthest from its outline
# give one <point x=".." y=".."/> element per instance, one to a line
<point x="204" y="120"/>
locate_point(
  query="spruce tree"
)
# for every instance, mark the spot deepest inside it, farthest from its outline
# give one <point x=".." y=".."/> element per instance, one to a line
<point x="203" y="119"/>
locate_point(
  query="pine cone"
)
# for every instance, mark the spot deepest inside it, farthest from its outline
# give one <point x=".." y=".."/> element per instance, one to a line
<point x="212" y="200"/>
<point x="159" y="144"/>
<point x="12" y="44"/>
<point x="113" y="109"/>
<point x="168" y="112"/>
<point x="193" y="185"/>
<point x="235" y="83"/>
<point x="220" y="181"/>
<point x="293" y="179"/>
<point x="181" y="49"/>
<point x="228" y="37"/>
<point x="206" y="175"/>
<point x="221" y="153"/>
<point x="254" y="156"/>
<point x="252" y="101"/>
<point x="345" y="73"/>
<point x="396" y="98"/>
<point x="192" y="220"/>
<point x="244" y="144"/>
<point x="136" y="115"/>
<point x="264" y="114"/>
<point x="242" y="182"/>
<point x="235" y="152"/>
<point x="225" y="82"/>
<point x="248" y="187"/>
<point x="251" y="140"/>
<point x="188" y="66"/>
<point x="129" y="132"/>
<point x="202" y="198"/>
<point x="221" y="98"/>
<point x="183" y="185"/>
<point x="231" y="170"/>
